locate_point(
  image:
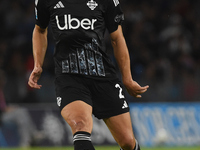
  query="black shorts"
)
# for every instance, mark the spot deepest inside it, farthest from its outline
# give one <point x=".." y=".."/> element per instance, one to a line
<point x="105" y="96"/>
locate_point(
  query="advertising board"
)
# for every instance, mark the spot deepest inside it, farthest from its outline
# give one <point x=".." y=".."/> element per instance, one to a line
<point x="168" y="124"/>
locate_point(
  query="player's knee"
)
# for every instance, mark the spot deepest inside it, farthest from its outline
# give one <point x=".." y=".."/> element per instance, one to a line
<point x="127" y="143"/>
<point x="80" y="123"/>
<point x="129" y="146"/>
<point x="79" y="120"/>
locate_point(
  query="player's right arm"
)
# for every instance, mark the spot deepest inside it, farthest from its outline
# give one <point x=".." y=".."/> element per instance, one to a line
<point x="39" y="51"/>
<point x="39" y="41"/>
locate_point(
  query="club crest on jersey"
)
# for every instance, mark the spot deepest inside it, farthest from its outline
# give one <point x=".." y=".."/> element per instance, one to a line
<point x="92" y="4"/>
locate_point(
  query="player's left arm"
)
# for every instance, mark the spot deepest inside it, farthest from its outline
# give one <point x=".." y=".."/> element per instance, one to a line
<point x="122" y="56"/>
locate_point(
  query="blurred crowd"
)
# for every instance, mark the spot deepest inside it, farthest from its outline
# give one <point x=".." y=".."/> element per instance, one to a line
<point x="163" y="37"/>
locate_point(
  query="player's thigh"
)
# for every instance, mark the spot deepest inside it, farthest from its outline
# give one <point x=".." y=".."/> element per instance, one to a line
<point x="74" y="101"/>
<point x="121" y="128"/>
<point x="78" y="115"/>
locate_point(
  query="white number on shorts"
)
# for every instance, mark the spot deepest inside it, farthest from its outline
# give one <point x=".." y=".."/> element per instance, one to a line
<point x="120" y="91"/>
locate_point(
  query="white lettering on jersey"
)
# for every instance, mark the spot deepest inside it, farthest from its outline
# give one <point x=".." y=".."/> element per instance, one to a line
<point x="116" y="2"/>
<point x="84" y="23"/>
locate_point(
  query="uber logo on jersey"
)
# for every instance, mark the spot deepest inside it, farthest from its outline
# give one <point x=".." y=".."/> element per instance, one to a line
<point x="74" y="23"/>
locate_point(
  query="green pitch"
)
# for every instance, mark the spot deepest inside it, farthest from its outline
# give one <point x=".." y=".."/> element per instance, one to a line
<point x="104" y="148"/>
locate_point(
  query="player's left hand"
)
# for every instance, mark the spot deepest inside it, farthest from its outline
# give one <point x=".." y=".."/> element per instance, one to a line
<point x="134" y="89"/>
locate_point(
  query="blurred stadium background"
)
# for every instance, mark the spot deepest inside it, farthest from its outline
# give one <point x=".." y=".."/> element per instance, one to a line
<point x="163" y="37"/>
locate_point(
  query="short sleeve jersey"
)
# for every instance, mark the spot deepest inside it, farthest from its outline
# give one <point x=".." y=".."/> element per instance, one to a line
<point x="78" y="28"/>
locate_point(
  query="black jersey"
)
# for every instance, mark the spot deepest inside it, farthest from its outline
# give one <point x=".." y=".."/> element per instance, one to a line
<point x="78" y="27"/>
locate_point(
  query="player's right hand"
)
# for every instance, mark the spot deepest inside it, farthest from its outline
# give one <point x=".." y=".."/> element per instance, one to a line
<point x="34" y="77"/>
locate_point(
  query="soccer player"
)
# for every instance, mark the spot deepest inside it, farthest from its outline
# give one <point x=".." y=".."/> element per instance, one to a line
<point x="86" y="81"/>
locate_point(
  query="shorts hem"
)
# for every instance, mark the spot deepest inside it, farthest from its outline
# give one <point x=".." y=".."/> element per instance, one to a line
<point x="104" y="116"/>
<point x="61" y="108"/>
